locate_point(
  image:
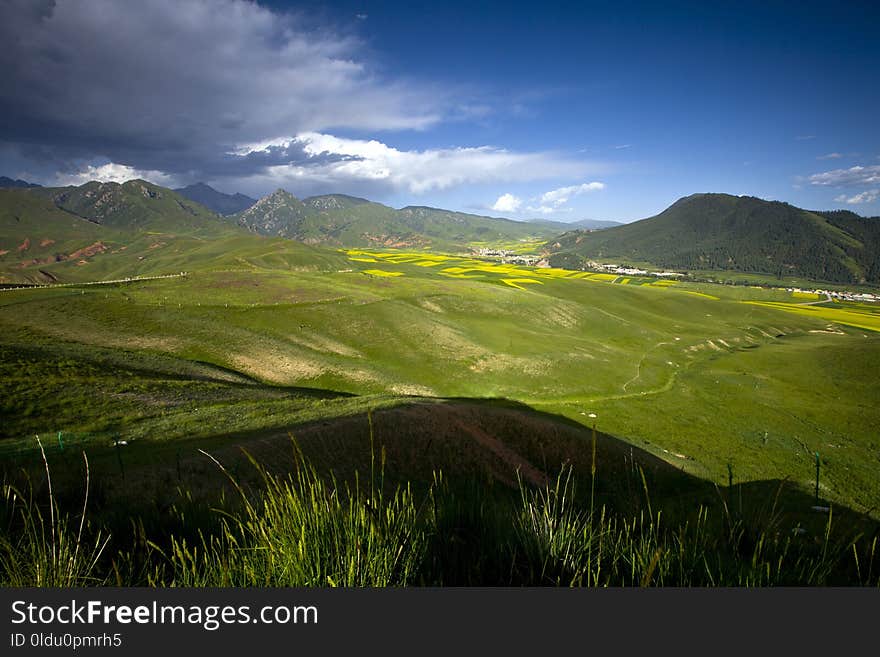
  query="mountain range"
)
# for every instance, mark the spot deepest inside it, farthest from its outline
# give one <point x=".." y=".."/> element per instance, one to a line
<point x="582" y="224"/>
<point x="340" y="220"/>
<point x="99" y="230"/>
<point x="286" y="213"/>
<point x="7" y="183"/>
<point x="106" y="231"/>
<point x="217" y="201"/>
<point x="43" y="230"/>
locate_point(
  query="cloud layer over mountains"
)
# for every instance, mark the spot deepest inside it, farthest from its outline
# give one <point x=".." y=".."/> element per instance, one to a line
<point x="174" y="86"/>
<point x="222" y="90"/>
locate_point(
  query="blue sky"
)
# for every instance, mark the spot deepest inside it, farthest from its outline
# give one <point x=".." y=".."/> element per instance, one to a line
<point x="557" y="110"/>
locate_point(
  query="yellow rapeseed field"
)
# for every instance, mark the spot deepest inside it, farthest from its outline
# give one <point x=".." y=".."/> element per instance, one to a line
<point x="862" y="320"/>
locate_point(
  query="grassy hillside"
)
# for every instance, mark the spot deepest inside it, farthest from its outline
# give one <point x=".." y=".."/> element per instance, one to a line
<point x="37" y="238"/>
<point x="746" y="234"/>
<point x="691" y="373"/>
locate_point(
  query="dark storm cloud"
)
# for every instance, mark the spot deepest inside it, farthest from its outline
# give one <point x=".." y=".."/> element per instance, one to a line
<point x="175" y="86"/>
<point x="291" y="154"/>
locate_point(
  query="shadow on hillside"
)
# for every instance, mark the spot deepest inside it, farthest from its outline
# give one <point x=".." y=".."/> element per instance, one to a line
<point x="482" y="446"/>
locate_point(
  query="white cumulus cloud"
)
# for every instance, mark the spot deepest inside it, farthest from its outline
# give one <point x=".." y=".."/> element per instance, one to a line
<point x="507" y="203"/>
<point x="857" y="175"/>
<point x="112" y="172"/>
<point x="341" y="162"/>
<point x="561" y="196"/>
<point x="868" y="196"/>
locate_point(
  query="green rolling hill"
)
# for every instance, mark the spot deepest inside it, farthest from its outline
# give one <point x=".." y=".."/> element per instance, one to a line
<point x="745" y="234"/>
<point x="36" y="235"/>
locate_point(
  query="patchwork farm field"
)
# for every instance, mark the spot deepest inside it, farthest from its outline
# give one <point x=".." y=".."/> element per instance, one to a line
<point x="725" y="383"/>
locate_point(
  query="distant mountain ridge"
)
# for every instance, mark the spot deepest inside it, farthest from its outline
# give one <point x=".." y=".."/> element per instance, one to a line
<point x="595" y="224"/>
<point x="737" y="233"/>
<point x="341" y="220"/>
<point x="583" y="224"/>
<point x="9" y="183"/>
<point x="217" y="201"/>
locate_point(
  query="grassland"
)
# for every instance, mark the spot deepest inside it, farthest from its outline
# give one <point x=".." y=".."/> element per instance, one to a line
<point x="704" y="376"/>
<point x="473" y="367"/>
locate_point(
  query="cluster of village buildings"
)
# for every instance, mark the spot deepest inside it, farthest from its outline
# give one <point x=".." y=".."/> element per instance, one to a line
<point x="632" y="271"/>
<point x="494" y="253"/>
<point x="509" y="257"/>
<point x="842" y="296"/>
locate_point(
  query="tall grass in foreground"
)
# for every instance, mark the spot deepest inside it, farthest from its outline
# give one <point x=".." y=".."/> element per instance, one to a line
<point x="47" y="548"/>
<point x="563" y="544"/>
<point x="304" y="529"/>
<point x="307" y="531"/>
